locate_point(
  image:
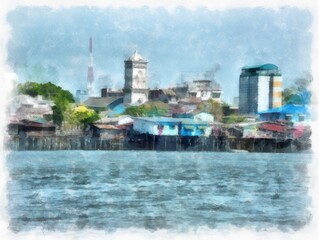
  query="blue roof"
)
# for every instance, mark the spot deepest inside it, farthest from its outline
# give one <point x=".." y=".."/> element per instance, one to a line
<point x="267" y="66"/>
<point x="289" y="108"/>
<point x="173" y="120"/>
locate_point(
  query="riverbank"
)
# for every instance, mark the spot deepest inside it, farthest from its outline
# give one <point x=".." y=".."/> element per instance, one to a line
<point x="156" y="143"/>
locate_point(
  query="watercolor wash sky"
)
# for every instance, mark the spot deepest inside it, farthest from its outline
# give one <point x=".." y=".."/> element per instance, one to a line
<point x="172" y="41"/>
<point x="52" y="44"/>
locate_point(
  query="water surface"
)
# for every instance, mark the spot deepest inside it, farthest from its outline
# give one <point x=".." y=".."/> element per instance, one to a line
<point x="111" y="190"/>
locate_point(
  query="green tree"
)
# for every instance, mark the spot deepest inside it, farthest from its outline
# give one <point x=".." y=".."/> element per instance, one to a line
<point x="29" y="88"/>
<point x="81" y="115"/>
<point x="233" y="118"/>
<point x="213" y="107"/>
<point x="50" y="91"/>
<point x="147" y="109"/>
<point x="295" y="93"/>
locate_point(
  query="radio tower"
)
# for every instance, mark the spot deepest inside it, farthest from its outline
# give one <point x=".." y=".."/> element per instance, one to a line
<point x="90" y="78"/>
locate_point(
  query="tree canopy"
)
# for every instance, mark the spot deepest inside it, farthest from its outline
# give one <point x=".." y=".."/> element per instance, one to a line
<point x="213" y="107"/>
<point x="81" y="115"/>
<point x="298" y="92"/>
<point x="50" y="91"/>
<point x="147" y="109"/>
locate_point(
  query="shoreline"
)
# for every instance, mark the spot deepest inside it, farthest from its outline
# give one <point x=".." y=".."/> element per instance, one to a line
<point x="145" y="142"/>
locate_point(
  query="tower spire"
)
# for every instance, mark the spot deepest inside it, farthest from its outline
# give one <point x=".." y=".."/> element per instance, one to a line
<point x="90" y="77"/>
<point x="90" y="45"/>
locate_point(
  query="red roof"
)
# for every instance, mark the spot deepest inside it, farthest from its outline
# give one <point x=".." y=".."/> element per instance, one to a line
<point x="274" y="127"/>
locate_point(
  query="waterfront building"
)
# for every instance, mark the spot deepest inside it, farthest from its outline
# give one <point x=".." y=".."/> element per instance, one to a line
<point x="163" y="126"/>
<point x="116" y="121"/>
<point x="25" y="128"/>
<point x="260" y="88"/>
<point x="30" y="108"/>
<point x="136" y="80"/>
<point x="197" y="115"/>
<point x="291" y="112"/>
<point x="107" y="131"/>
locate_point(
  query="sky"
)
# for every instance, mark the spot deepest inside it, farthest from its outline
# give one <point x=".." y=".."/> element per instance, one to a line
<point x="273" y="34"/>
<point x="49" y="44"/>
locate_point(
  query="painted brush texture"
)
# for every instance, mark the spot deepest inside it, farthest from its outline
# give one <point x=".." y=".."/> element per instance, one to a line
<point x="48" y="44"/>
<point x="58" y="191"/>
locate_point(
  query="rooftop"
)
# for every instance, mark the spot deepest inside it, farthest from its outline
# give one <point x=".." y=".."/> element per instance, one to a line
<point x="99" y="102"/>
<point x="267" y="66"/>
<point x="289" y="108"/>
<point x="135" y="57"/>
<point x="172" y="120"/>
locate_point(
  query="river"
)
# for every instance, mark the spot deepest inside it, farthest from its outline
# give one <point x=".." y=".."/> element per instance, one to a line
<point x="111" y="190"/>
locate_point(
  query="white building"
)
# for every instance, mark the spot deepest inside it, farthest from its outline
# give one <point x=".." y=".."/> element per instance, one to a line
<point x="136" y="80"/>
<point x="27" y="107"/>
<point x="204" y="90"/>
<point x="260" y="88"/>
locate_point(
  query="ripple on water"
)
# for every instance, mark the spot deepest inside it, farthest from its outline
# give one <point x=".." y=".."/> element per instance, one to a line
<point x="156" y="190"/>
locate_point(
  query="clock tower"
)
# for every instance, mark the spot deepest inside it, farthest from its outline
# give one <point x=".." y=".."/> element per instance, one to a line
<point x="136" y="87"/>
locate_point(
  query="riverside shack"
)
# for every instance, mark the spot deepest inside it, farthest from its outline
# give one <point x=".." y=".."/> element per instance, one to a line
<point x="291" y="112"/>
<point x="163" y="126"/>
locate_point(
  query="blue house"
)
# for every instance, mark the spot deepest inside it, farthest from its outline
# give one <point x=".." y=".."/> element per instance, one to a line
<point x="291" y="112"/>
<point x="172" y="126"/>
<point x="190" y="127"/>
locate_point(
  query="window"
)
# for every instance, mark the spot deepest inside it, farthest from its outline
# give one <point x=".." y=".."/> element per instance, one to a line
<point x="288" y="117"/>
<point x="301" y="117"/>
<point x="171" y="127"/>
<point x="160" y="126"/>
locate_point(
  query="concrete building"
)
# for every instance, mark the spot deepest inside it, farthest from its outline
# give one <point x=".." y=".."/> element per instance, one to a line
<point x="205" y="90"/>
<point x="201" y="89"/>
<point x="260" y="88"/>
<point x="165" y="95"/>
<point x="110" y="92"/>
<point x="136" y="80"/>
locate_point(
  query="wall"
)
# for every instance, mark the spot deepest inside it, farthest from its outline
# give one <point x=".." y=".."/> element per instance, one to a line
<point x="150" y="127"/>
<point x="139" y="78"/>
<point x="143" y="126"/>
<point x="204" y="117"/>
<point x="263" y="93"/>
<point x="138" y="98"/>
<point x="277" y="92"/>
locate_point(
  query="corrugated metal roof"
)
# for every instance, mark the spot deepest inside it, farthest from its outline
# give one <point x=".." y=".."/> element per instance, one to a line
<point x="29" y="123"/>
<point x="105" y="126"/>
<point x="288" y="109"/>
<point x="274" y="127"/>
<point x="99" y="102"/>
<point x="172" y="120"/>
<point x="169" y="92"/>
<point x="107" y="120"/>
